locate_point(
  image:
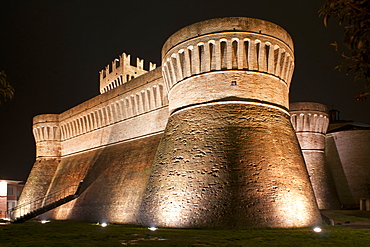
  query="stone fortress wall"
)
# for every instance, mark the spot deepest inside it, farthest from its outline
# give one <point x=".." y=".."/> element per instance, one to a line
<point x="138" y="108"/>
<point x="205" y="140"/>
<point x="69" y="145"/>
<point x="348" y="158"/>
<point x="228" y="132"/>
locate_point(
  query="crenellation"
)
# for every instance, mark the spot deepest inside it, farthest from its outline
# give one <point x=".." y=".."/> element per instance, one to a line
<point x="152" y="66"/>
<point x="140" y="63"/>
<point x="170" y="146"/>
<point x="121" y="71"/>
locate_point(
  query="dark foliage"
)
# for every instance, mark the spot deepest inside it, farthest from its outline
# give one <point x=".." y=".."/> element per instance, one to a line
<point x="6" y="90"/>
<point x="354" y="17"/>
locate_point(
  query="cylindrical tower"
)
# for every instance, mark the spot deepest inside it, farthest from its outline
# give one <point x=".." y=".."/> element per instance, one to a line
<point x="47" y="137"/>
<point x="229" y="156"/>
<point x="310" y="121"/>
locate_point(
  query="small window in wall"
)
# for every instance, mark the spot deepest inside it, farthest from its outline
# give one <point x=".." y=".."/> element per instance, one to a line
<point x="223" y="55"/>
<point x="258" y="46"/>
<point x="235" y="54"/>
<point x="246" y="51"/>
<point x="10" y="191"/>
<point x="267" y="53"/>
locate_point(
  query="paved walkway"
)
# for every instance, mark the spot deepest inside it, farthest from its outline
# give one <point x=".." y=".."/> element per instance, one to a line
<point x="353" y="224"/>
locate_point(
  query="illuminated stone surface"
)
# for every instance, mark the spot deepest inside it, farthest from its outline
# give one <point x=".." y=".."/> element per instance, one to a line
<point x="205" y="140"/>
<point x="229" y="156"/>
<point x="310" y="121"/>
<point x="229" y="164"/>
<point x="114" y="179"/>
<point x="348" y="156"/>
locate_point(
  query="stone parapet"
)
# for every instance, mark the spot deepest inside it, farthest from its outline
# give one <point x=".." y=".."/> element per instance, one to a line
<point x="237" y="53"/>
<point x="121" y="71"/>
<point x="309" y="117"/>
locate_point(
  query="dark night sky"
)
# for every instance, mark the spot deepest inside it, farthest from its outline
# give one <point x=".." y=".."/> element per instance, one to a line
<point x="52" y="52"/>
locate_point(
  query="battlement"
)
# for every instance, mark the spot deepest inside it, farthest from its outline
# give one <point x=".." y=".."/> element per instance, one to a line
<point x="139" y="108"/>
<point x="121" y="71"/>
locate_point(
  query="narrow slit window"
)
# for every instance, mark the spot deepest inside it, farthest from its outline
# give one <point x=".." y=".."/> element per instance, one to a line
<point x="267" y="53"/>
<point x="282" y="59"/>
<point x="276" y="57"/>
<point x="258" y="47"/>
<point x="201" y="58"/>
<point x="190" y="61"/>
<point x="174" y="65"/>
<point x="182" y="63"/>
<point x="235" y="54"/>
<point x="211" y="54"/>
<point x="223" y="55"/>
<point x="246" y="51"/>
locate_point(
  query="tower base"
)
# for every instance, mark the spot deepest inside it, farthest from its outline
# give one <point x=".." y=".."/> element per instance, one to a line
<point x="229" y="164"/>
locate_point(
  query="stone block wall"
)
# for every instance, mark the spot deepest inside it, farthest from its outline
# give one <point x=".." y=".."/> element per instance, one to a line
<point x="229" y="164"/>
<point x="68" y="144"/>
<point x="229" y="156"/>
<point x="114" y="179"/>
<point x="205" y="140"/>
<point x="348" y="156"/>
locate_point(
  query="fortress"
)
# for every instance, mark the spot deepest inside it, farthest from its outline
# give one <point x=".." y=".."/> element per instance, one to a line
<point x="208" y="139"/>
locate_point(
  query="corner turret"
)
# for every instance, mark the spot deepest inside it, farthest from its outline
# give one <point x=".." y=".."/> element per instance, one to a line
<point x="46" y="132"/>
<point x="310" y="121"/>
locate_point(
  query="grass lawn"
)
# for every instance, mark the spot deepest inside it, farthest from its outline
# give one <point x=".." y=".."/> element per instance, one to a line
<point x="70" y="233"/>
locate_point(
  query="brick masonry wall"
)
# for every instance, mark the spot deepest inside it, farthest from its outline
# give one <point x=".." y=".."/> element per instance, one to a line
<point x="114" y="179"/>
<point x="229" y="165"/>
<point x="39" y="180"/>
<point x="348" y="156"/>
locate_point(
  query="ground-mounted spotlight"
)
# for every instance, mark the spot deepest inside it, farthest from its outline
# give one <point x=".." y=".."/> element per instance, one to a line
<point x="104" y="224"/>
<point x="152" y="228"/>
<point x="45" y="221"/>
<point x="317" y="229"/>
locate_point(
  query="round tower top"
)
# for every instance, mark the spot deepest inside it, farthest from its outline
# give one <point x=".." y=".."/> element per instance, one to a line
<point x="244" y="24"/>
<point x="308" y="106"/>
